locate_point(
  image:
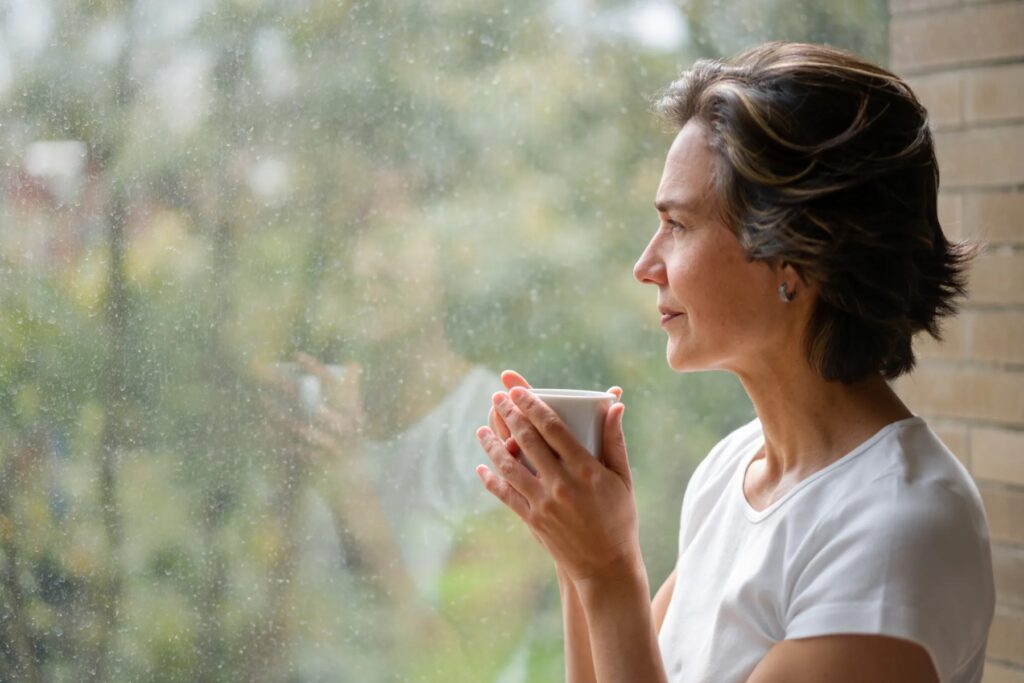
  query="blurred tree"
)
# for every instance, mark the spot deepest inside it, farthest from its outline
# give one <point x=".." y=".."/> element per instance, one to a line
<point x="184" y="186"/>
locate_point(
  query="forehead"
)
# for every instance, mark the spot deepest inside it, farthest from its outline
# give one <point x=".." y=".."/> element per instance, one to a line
<point x="689" y="168"/>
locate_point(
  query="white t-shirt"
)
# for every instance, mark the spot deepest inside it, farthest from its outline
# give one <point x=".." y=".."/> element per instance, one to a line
<point x="426" y="477"/>
<point x="426" y="483"/>
<point x="890" y="539"/>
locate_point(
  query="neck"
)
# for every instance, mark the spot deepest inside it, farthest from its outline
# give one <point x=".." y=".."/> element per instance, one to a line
<point x="809" y="423"/>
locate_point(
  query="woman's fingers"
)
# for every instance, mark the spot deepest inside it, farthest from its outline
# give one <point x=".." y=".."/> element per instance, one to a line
<point x="312" y="366"/>
<point x="342" y="387"/>
<point x="511" y="469"/>
<point x="531" y="443"/>
<point x="510" y="378"/>
<point x="549" y="426"/>
<point x="504" y="492"/>
<point x="497" y="425"/>
<point x="275" y="379"/>
<point x="614" y="453"/>
<point x="618" y="393"/>
<point x="316" y="438"/>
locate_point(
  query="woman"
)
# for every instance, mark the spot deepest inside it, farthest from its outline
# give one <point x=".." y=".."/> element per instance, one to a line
<point x="833" y="538"/>
<point x="383" y="523"/>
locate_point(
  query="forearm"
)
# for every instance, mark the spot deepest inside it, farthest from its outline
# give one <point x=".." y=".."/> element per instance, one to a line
<point x="623" y="640"/>
<point x="356" y="506"/>
<point x="354" y="501"/>
<point x="579" y="665"/>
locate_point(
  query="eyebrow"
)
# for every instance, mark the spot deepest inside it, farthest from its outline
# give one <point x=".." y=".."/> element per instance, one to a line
<point x="665" y="206"/>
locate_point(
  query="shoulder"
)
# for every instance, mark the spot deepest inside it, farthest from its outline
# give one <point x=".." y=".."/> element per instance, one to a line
<point x="906" y="493"/>
<point x="909" y="482"/>
<point x="901" y="549"/>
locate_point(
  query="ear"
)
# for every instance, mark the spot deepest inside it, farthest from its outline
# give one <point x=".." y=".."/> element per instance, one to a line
<point x="788" y="273"/>
<point x="805" y="288"/>
<point x="793" y="276"/>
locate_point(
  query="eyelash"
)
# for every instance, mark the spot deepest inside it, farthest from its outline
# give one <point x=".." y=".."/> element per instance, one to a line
<point x="675" y="225"/>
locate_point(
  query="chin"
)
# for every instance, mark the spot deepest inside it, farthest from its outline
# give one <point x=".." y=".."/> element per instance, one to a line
<point x="681" y="361"/>
<point x="678" y="364"/>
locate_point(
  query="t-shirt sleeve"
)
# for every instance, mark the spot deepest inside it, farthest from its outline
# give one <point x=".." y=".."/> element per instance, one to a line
<point x="917" y="569"/>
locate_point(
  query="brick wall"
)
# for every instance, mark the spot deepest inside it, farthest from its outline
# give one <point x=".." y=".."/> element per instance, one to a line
<point x="965" y="60"/>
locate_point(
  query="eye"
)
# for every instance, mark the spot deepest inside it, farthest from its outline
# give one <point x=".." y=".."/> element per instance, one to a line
<point x="675" y="225"/>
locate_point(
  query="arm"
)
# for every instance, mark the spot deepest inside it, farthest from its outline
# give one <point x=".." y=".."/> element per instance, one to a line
<point x="332" y="444"/>
<point x="622" y="628"/>
<point x="362" y="523"/>
<point x="845" y="659"/>
<point x="659" y="606"/>
<point x="579" y="664"/>
<point x="583" y="511"/>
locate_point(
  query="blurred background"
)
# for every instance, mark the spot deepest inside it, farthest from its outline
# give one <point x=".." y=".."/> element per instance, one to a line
<point x="416" y="195"/>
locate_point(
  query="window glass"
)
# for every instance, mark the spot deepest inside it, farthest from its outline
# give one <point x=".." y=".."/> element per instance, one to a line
<point x="415" y="196"/>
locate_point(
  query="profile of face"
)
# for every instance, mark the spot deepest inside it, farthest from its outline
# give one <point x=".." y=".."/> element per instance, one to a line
<point x="720" y="310"/>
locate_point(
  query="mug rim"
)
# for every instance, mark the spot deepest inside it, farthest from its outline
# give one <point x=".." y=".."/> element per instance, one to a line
<point x="572" y="393"/>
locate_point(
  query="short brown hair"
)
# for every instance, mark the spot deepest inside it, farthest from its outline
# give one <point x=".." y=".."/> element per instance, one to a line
<point x="825" y="162"/>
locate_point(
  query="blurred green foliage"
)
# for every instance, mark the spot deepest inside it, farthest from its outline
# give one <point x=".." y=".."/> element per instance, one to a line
<point x="233" y="154"/>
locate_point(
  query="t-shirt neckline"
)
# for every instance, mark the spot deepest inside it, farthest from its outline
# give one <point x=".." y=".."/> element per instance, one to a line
<point x="748" y="457"/>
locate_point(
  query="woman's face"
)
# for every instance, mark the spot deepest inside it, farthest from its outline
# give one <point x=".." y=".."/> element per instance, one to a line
<point x="719" y="310"/>
<point x="396" y="287"/>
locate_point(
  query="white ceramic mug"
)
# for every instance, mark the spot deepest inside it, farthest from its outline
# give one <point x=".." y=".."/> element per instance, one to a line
<point x="583" y="412"/>
<point x="309" y="389"/>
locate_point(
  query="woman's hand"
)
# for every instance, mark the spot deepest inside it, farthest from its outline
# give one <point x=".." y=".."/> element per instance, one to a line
<point x="581" y="510"/>
<point x="332" y="429"/>
<point x="511" y="378"/>
<point x="339" y="420"/>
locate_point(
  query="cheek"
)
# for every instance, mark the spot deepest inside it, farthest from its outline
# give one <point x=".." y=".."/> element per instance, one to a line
<point x="723" y="299"/>
<point x="687" y="279"/>
<point x="701" y="291"/>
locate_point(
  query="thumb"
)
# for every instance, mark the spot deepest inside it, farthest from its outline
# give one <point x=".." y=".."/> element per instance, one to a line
<point x="614" y="446"/>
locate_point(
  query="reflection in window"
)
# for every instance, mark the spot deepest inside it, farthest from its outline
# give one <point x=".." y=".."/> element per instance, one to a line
<point x="415" y="195"/>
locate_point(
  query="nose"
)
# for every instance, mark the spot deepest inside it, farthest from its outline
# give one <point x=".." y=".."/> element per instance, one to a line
<point x="649" y="268"/>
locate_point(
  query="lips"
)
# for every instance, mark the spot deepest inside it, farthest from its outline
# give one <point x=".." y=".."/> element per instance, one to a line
<point x="668" y="314"/>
